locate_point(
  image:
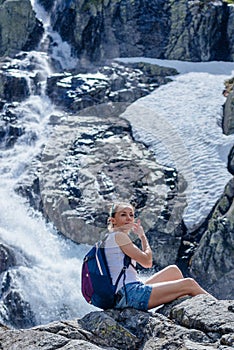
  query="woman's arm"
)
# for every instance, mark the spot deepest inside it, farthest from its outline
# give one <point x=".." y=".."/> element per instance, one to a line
<point x="144" y="256"/>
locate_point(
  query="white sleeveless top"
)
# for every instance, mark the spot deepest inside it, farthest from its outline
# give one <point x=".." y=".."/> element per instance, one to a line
<point x="115" y="257"/>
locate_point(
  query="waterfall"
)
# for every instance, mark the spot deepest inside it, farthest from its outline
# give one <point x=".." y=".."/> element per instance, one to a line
<point x="47" y="273"/>
<point x="60" y="50"/>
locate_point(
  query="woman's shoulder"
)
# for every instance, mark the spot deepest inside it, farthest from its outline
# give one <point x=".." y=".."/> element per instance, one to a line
<point x="122" y="238"/>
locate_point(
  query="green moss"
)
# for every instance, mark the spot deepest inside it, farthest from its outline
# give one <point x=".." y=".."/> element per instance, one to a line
<point x="91" y="3"/>
<point x="229" y="1"/>
<point x="229" y="83"/>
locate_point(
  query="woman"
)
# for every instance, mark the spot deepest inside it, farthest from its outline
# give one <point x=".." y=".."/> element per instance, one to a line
<point x="163" y="287"/>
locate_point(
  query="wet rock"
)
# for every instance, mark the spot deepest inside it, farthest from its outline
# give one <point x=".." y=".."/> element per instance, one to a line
<point x="10" y="127"/>
<point x="47" y="4"/>
<point x="13" y="87"/>
<point x="7" y="257"/>
<point x="230" y="31"/>
<point x="115" y="82"/>
<point x="16" y="311"/>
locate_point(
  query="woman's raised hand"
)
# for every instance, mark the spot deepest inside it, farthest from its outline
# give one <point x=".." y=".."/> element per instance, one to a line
<point x="138" y="229"/>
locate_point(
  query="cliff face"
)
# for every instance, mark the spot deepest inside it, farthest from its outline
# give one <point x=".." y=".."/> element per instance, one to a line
<point x="98" y="30"/>
<point x="181" y="29"/>
<point x="214" y="256"/>
<point x="19" y="28"/>
<point x="228" y="115"/>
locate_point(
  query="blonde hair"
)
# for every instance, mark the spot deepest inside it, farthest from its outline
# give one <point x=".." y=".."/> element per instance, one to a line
<point x="115" y="207"/>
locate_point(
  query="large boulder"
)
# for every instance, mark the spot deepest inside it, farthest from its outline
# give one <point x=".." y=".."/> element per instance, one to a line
<point x="19" y="28"/>
<point x="200" y="323"/>
<point x="213" y="261"/>
<point x="92" y="160"/>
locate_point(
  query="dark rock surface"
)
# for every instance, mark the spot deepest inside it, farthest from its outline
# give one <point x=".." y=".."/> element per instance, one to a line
<point x="99" y="30"/>
<point x="213" y="261"/>
<point x="115" y="82"/>
<point x="15" y="311"/>
<point x="183" y="30"/>
<point x="228" y="114"/>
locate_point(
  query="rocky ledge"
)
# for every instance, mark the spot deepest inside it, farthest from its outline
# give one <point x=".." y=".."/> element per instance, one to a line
<point x="199" y="323"/>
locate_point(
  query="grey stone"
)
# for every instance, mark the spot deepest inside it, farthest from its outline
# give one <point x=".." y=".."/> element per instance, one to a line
<point x="198" y="323"/>
<point x="91" y="161"/>
<point x="19" y="28"/>
<point x="228" y="115"/>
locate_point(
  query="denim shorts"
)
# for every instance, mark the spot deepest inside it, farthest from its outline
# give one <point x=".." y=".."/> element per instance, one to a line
<point x="137" y="294"/>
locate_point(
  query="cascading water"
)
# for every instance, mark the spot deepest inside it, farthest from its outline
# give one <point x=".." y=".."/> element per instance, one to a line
<point x="47" y="271"/>
<point x="60" y="51"/>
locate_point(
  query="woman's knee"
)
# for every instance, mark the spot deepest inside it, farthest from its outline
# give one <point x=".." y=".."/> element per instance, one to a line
<point x="174" y="269"/>
<point x="192" y="286"/>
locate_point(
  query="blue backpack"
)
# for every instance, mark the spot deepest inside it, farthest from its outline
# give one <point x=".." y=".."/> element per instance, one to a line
<point x="96" y="282"/>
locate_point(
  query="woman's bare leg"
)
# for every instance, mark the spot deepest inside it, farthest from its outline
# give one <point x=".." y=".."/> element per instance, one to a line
<point x="164" y="292"/>
<point x="169" y="273"/>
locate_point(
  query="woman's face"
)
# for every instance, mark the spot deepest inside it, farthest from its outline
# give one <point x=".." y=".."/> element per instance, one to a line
<point x="123" y="219"/>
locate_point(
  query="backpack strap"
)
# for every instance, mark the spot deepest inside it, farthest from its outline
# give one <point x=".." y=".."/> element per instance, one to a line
<point x="126" y="262"/>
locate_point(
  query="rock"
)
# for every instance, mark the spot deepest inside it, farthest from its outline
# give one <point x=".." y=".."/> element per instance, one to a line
<point x="109" y="330"/>
<point x="13" y="87"/>
<point x="19" y="28"/>
<point x="91" y="161"/>
<point x="192" y="31"/>
<point x="213" y="260"/>
<point x="230" y="31"/>
<point x="230" y="165"/>
<point x="47" y="4"/>
<point x="228" y="114"/>
<point x="199" y="323"/>
<point x="14" y="310"/>
<point x="116" y="82"/>
<point x="7" y="257"/>
<point x="189" y="21"/>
